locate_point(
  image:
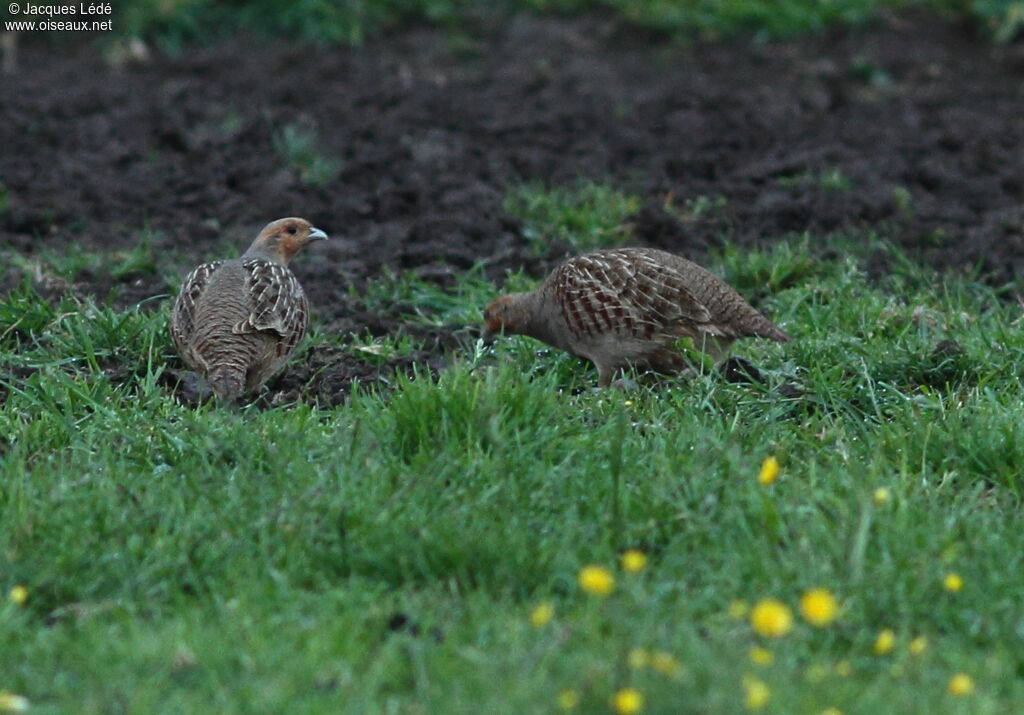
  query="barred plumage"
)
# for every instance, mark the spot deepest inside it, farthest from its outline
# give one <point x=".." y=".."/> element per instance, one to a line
<point x="237" y="322"/>
<point x="629" y="306"/>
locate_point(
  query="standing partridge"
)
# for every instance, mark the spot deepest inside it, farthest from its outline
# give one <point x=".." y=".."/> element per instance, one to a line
<point x="629" y="306"/>
<point x="236" y="322"/>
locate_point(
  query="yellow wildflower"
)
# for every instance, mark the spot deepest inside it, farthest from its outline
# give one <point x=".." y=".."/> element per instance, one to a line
<point x="918" y="645"/>
<point x="769" y="471"/>
<point x="761" y="656"/>
<point x="18" y="595"/>
<point x="881" y="496"/>
<point x="844" y="669"/>
<point x="756" y="693"/>
<point x="819" y="607"/>
<point x="738" y="609"/>
<point x="12" y="702"/>
<point x="960" y="684"/>
<point x="815" y="672"/>
<point x="638" y="658"/>
<point x="952" y="582"/>
<point x="542" y="614"/>
<point x="831" y="711"/>
<point x="568" y="700"/>
<point x="666" y="664"/>
<point x="771" y="618"/>
<point x="628" y="701"/>
<point x="634" y="560"/>
<point x="884" y="643"/>
<point x="597" y="580"/>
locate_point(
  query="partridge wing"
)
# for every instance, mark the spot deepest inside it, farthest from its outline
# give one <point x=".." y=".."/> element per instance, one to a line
<point x="183" y="313"/>
<point x="278" y="304"/>
<point x="625" y="292"/>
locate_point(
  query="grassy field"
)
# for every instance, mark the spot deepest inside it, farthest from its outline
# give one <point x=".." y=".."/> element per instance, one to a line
<point x="419" y="549"/>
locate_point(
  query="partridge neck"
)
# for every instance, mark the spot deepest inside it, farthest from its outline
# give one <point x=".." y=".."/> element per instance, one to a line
<point x="536" y="307"/>
<point x="261" y="252"/>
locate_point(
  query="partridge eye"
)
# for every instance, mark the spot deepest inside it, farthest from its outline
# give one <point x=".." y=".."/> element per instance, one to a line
<point x="292" y="230"/>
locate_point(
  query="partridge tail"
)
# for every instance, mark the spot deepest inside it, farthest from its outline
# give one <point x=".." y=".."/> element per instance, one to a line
<point x="228" y="382"/>
<point x="764" y="328"/>
<point x="774" y="333"/>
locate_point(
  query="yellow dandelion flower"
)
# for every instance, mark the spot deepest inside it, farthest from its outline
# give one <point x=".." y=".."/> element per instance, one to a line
<point x="761" y="656"/>
<point x="628" y="403"/>
<point x="844" y="669"/>
<point x="596" y="580"/>
<point x="771" y="618"/>
<point x="738" y="609"/>
<point x="952" y="582"/>
<point x="918" y="645"/>
<point x="769" y="471"/>
<point x="542" y="614"/>
<point x="831" y="711"/>
<point x="638" y="658"/>
<point x="881" y="496"/>
<point x="628" y="701"/>
<point x="12" y="702"/>
<point x="666" y="664"/>
<point x="18" y="595"/>
<point x="885" y="642"/>
<point x="960" y="684"/>
<point x="819" y="607"/>
<point x="568" y="700"/>
<point x="815" y="673"/>
<point x="756" y="693"/>
<point x="634" y="560"/>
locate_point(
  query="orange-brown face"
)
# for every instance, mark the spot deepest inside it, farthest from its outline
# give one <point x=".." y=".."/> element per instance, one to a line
<point x="287" y="236"/>
<point x="496" y="316"/>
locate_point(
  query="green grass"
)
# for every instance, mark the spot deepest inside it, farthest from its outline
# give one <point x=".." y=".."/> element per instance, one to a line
<point x="585" y="216"/>
<point x="385" y="556"/>
<point x="175" y="23"/>
<point x="297" y="145"/>
<point x="713" y="18"/>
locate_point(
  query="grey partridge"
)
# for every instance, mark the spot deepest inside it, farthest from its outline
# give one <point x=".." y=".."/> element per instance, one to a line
<point x="629" y="306"/>
<point x="236" y="322"/>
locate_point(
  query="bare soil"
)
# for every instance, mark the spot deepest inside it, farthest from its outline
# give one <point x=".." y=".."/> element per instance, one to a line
<point x="910" y="128"/>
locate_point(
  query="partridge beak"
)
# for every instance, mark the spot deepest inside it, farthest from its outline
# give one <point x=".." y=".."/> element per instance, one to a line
<point x="316" y="234"/>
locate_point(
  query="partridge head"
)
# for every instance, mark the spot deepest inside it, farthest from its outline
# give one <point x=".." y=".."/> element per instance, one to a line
<point x="280" y="240"/>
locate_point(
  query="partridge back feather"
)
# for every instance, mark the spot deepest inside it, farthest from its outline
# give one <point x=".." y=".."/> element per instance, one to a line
<point x="183" y="313"/>
<point x="623" y="293"/>
<point x="238" y="321"/>
<point x="649" y="294"/>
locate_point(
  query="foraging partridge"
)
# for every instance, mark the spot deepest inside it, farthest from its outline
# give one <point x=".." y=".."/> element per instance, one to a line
<point x="629" y="306"/>
<point x="236" y="322"/>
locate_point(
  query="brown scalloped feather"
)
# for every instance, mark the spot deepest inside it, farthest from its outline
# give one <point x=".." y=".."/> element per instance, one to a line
<point x="182" y="315"/>
<point x="629" y="306"/>
<point x="238" y="322"/>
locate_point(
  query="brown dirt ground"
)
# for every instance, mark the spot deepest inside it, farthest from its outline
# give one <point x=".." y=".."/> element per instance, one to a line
<point x="921" y="119"/>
